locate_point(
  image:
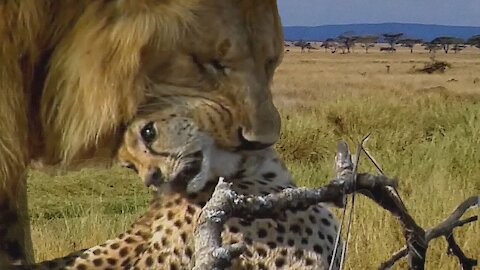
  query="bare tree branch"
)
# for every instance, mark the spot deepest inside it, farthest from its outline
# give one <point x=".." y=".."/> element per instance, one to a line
<point x="209" y="253"/>
<point x="445" y="228"/>
<point x="395" y="257"/>
<point x="225" y="203"/>
<point x="453" y="248"/>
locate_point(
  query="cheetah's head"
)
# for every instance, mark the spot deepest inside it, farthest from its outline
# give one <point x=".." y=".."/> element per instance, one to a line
<point x="174" y="145"/>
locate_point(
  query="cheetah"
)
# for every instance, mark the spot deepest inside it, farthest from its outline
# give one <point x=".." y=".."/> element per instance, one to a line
<point x="172" y="152"/>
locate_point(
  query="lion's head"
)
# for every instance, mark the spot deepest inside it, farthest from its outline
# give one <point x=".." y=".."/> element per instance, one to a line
<point x="227" y="55"/>
<point x="112" y="56"/>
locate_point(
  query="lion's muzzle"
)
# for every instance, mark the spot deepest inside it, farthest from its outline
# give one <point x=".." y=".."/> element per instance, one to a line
<point x="263" y="128"/>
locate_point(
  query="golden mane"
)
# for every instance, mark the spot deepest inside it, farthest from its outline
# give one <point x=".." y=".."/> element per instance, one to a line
<point x="99" y="64"/>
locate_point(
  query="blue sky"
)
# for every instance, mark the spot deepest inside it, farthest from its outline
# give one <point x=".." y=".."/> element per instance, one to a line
<point x="321" y="12"/>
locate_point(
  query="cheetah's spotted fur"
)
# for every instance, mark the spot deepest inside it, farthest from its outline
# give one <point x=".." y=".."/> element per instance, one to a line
<point x="162" y="237"/>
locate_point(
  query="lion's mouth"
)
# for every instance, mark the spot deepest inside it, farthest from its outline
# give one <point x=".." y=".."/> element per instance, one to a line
<point x="246" y="145"/>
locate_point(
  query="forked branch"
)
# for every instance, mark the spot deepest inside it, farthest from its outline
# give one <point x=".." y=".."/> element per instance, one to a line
<point x="225" y="204"/>
<point x="445" y="228"/>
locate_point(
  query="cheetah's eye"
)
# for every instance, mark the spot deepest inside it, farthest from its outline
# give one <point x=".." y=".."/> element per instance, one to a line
<point x="148" y="132"/>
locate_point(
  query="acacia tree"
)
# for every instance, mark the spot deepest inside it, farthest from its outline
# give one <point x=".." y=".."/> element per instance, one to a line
<point x="447" y="42"/>
<point x="458" y="47"/>
<point x="474" y="41"/>
<point x="392" y="39"/>
<point x="303" y="45"/>
<point x="410" y="42"/>
<point x="347" y="41"/>
<point x="367" y="41"/>
<point x="331" y="44"/>
<point x="431" y="47"/>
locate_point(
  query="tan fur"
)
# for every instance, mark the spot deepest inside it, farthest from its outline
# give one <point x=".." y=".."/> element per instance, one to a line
<point x="72" y="73"/>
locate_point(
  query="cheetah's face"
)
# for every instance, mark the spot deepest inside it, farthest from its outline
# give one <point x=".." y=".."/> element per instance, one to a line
<point x="168" y="146"/>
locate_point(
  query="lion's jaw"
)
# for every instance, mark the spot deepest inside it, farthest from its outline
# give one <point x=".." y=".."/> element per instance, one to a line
<point x="228" y="56"/>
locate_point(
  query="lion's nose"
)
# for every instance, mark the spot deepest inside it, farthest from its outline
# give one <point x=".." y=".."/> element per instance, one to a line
<point x="261" y="126"/>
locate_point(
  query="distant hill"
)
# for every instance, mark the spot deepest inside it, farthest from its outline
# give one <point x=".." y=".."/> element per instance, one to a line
<point x="426" y="32"/>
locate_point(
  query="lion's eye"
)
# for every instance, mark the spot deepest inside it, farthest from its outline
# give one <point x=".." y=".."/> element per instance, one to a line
<point x="214" y="66"/>
<point x="219" y="68"/>
<point x="218" y="65"/>
<point x="148" y="132"/>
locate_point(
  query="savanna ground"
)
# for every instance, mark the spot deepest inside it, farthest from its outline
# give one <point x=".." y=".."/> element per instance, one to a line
<point x="425" y="131"/>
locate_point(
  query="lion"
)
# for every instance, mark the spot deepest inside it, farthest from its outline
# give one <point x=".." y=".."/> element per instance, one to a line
<point x="73" y="73"/>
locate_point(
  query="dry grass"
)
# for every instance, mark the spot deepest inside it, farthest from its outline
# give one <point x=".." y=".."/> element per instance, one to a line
<point x="425" y="128"/>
